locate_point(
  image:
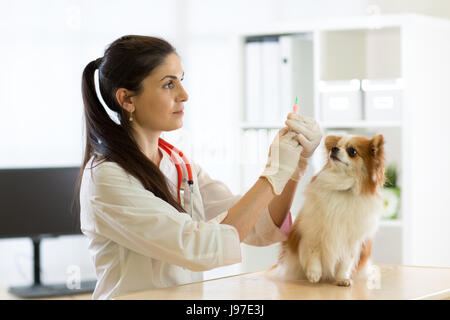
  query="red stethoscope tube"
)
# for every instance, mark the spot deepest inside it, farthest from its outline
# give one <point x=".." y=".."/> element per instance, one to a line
<point x="169" y="148"/>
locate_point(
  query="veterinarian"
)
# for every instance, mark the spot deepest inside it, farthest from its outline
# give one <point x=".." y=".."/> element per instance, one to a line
<point x="145" y="229"/>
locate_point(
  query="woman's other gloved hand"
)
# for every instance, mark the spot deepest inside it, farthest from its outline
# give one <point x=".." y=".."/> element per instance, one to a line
<point x="284" y="154"/>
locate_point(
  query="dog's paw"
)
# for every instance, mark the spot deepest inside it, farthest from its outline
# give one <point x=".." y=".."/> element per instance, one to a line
<point x="313" y="276"/>
<point x="344" y="282"/>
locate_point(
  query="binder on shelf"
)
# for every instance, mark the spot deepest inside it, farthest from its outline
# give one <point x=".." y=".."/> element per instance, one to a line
<point x="270" y="80"/>
<point x="250" y="158"/>
<point x="272" y="134"/>
<point x="296" y="78"/>
<point x="255" y="151"/>
<point x="253" y="83"/>
<point x="277" y="69"/>
<point x="287" y="75"/>
<point x="263" y="148"/>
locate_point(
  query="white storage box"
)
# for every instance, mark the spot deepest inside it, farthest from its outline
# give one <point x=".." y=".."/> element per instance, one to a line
<point x="340" y="100"/>
<point x="383" y="99"/>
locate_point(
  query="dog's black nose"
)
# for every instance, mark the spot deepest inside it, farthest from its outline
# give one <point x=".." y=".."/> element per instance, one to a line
<point x="334" y="150"/>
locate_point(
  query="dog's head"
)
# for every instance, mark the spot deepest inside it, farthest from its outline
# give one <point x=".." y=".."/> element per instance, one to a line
<point x="358" y="157"/>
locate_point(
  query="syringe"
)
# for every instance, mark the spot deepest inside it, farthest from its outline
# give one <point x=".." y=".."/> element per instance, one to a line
<point x="295" y="108"/>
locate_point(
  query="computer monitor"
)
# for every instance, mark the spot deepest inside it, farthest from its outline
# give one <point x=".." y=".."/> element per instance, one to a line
<point x="38" y="203"/>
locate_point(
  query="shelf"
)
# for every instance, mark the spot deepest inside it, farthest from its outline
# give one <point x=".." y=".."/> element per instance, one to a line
<point x="391" y="223"/>
<point x="345" y="49"/>
<point x="327" y="125"/>
<point x="362" y="124"/>
<point x="261" y="125"/>
<point x="355" y="54"/>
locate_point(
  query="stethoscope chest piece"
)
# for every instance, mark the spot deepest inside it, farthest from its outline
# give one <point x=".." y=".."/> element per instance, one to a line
<point x="183" y="183"/>
<point x="189" y="188"/>
<point x="182" y="189"/>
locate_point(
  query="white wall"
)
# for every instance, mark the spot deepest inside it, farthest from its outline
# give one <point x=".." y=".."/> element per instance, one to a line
<point x="45" y="46"/>
<point x="438" y="8"/>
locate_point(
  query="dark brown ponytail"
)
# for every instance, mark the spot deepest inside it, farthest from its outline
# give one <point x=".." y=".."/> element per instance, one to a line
<point x="127" y="61"/>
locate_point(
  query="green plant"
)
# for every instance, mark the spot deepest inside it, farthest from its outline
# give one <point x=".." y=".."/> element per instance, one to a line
<point x="391" y="176"/>
<point x="391" y="193"/>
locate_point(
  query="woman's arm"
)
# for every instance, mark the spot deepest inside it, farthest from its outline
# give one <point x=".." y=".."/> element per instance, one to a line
<point x="217" y="199"/>
<point x="284" y="154"/>
<point x="280" y="205"/>
<point x="244" y="214"/>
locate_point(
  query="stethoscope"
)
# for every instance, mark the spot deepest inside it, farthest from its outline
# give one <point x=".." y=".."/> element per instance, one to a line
<point x="181" y="181"/>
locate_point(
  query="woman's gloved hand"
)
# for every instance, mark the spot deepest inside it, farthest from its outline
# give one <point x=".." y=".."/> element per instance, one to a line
<point x="309" y="135"/>
<point x="284" y="153"/>
<point x="309" y="132"/>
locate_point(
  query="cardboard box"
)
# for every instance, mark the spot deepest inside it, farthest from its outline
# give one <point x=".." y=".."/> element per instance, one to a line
<point x="383" y="99"/>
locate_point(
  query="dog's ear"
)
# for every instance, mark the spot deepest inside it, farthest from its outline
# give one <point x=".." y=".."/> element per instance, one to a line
<point x="331" y="141"/>
<point x="377" y="144"/>
<point x="377" y="150"/>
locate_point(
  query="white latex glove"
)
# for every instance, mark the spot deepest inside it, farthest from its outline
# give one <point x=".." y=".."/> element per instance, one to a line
<point x="309" y="132"/>
<point x="284" y="153"/>
<point x="300" y="170"/>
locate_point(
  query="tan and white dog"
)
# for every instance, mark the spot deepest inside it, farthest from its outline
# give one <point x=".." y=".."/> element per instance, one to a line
<point x="331" y="237"/>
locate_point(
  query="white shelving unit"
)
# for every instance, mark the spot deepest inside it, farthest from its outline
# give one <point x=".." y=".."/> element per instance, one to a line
<point x="361" y="124"/>
<point x="414" y="48"/>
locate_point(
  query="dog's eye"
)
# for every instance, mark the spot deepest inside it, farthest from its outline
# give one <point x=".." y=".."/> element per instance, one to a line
<point x="352" y="152"/>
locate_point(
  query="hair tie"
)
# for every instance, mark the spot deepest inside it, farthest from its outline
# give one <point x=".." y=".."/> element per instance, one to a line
<point x="98" y="62"/>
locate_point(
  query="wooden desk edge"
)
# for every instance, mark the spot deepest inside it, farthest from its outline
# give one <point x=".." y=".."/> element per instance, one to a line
<point x="440" y="295"/>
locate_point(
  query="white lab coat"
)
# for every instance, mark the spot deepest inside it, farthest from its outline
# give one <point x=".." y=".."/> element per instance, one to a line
<point x="140" y="242"/>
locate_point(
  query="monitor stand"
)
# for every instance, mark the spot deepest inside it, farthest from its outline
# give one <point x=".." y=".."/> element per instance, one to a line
<point x="39" y="290"/>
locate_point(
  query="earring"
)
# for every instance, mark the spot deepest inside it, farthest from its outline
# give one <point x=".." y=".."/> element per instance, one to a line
<point x="131" y="117"/>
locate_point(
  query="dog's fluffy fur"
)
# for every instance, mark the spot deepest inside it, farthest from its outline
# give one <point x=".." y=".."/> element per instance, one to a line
<point x="331" y="238"/>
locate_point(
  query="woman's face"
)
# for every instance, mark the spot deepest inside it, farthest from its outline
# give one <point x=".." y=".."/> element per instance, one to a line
<point x="160" y="104"/>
